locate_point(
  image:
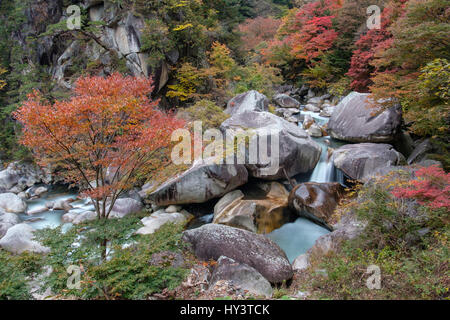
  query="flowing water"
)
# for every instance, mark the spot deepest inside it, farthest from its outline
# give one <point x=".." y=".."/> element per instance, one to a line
<point x="45" y="218"/>
<point x="294" y="238"/>
<point x="297" y="237"/>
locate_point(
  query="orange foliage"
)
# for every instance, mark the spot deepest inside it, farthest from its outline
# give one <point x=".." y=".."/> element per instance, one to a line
<point x="103" y="138"/>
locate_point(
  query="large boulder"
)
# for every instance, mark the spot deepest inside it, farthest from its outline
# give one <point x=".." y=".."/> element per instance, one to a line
<point x="243" y="276"/>
<point x="7" y="220"/>
<point x="357" y="119"/>
<point x="360" y="161"/>
<point x="160" y="218"/>
<point x="248" y="101"/>
<point x="297" y="152"/>
<point x="211" y="241"/>
<point x="262" y="213"/>
<point x="200" y="183"/>
<point x="20" y="238"/>
<point x="419" y="153"/>
<point x="10" y="202"/>
<point x="76" y="217"/>
<point x="285" y="101"/>
<point x="124" y="207"/>
<point x="316" y="201"/>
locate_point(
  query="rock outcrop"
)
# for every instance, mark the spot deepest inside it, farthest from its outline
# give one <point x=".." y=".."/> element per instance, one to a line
<point x="10" y="202"/>
<point x="20" y="238"/>
<point x="285" y="101"/>
<point x="158" y="219"/>
<point x="261" y="214"/>
<point x="316" y="201"/>
<point x="200" y="183"/>
<point x="356" y="120"/>
<point x="359" y="161"/>
<point x="212" y="241"/>
<point x="7" y="220"/>
<point x="297" y="152"/>
<point x="124" y="207"/>
<point x="248" y="101"/>
<point x="242" y="276"/>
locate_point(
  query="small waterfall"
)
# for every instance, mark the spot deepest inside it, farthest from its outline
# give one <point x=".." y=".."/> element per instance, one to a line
<point x="324" y="170"/>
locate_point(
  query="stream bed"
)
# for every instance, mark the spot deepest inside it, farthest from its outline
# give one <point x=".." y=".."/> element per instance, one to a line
<point x="294" y="238"/>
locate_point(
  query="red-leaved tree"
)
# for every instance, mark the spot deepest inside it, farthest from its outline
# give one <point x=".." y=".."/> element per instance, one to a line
<point x="255" y="31"/>
<point x="432" y="188"/>
<point x="102" y="139"/>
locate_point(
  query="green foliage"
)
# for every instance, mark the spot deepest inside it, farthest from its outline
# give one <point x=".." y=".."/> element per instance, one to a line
<point x="259" y="77"/>
<point x="114" y="261"/>
<point x="408" y="242"/>
<point x="14" y="273"/>
<point x="206" y="111"/>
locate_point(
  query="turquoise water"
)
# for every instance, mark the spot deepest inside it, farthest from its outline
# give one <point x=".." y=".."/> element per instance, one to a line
<point x="296" y="238"/>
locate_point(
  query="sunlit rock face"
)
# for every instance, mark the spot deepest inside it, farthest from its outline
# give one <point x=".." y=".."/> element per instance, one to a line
<point x="260" y="212"/>
<point x="357" y="119"/>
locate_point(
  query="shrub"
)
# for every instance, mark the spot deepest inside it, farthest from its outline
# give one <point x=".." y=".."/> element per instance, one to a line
<point x="125" y="272"/>
<point x="206" y="111"/>
<point x="431" y="188"/>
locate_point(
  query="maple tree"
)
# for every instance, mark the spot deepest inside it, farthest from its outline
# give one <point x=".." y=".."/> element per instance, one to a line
<point x="103" y="138"/>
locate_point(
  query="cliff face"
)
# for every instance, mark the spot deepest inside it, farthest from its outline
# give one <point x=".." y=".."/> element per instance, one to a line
<point x="112" y="42"/>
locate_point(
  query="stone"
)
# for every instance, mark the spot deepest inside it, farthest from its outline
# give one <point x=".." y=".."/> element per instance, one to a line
<point x="317" y="101"/>
<point x="419" y="152"/>
<point x="9" y="202"/>
<point x="327" y="111"/>
<point x="79" y="217"/>
<point x="242" y="276"/>
<point x="124" y="207"/>
<point x="316" y="201"/>
<point x="315" y="130"/>
<point x="173" y="208"/>
<point x="297" y="151"/>
<point x="20" y="238"/>
<point x="7" y="220"/>
<point x="62" y="205"/>
<point x="22" y="175"/>
<point x="285" y="101"/>
<point x="159" y="218"/>
<point x="311" y="107"/>
<point x="308" y="121"/>
<point x="360" y="161"/>
<point x="358" y="119"/>
<point x="202" y="182"/>
<point x="248" y="101"/>
<point x="211" y="241"/>
<point x="261" y="214"/>
<point x="301" y="262"/>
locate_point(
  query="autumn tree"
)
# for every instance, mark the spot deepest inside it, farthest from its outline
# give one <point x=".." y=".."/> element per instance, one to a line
<point x="255" y="31"/>
<point x="102" y="139"/>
